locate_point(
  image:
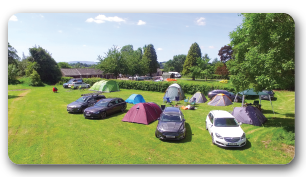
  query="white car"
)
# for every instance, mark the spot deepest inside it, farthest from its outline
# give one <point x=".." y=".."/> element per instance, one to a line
<point x="224" y="129"/>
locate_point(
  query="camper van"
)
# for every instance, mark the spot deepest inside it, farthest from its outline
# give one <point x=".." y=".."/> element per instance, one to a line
<point x="176" y="74"/>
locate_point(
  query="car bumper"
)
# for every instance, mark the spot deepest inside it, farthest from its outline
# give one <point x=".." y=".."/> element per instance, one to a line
<point x="224" y="143"/>
<point x="170" y="135"/>
<point x="74" y="110"/>
<point x="92" y="116"/>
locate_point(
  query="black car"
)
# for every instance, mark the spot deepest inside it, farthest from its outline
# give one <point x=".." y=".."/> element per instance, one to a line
<point x="82" y="103"/>
<point x="105" y="107"/>
<point x="66" y="85"/>
<point x="231" y="95"/>
<point x="266" y="97"/>
<point x="171" y="124"/>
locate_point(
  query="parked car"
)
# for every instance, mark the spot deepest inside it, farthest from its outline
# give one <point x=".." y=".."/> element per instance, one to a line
<point x="105" y="107"/>
<point x="266" y="97"/>
<point x="68" y="84"/>
<point x="171" y="124"/>
<point x="231" y="95"/>
<point x="158" y="78"/>
<point x="84" y="102"/>
<point x="77" y="84"/>
<point x="224" y="129"/>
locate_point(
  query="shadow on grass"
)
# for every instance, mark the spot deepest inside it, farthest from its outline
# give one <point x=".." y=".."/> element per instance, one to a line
<point x="13" y="96"/>
<point x="287" y="124"/>
<point x="246" y="146"/>
<point x="264" y="111"/>
<point x="188" y="137"/>
<point x="109" y="116"/>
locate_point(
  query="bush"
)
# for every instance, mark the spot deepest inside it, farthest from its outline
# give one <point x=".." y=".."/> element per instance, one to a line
<point x="35" y="79"/>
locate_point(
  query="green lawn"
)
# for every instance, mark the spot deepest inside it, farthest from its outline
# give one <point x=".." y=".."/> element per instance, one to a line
<point x="40" y="131"/>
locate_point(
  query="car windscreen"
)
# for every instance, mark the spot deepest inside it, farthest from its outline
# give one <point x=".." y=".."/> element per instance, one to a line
<point x="82" y="99"/>
<point x="170" y="118"/>
<point x="226" y="122"/>
<point x="102" y="103"/>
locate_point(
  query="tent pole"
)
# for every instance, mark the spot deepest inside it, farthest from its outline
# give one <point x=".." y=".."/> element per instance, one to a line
<point x="242" y="100"/>
<point x="236" y="97"/>
<point x="271" y="105"/>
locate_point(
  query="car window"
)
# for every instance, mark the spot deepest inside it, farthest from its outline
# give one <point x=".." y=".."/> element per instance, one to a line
<point x="226" y="122"/>
<point x="116" y="101"/>
<point x="211" y="117"/>
<point x="112" y="103"/>
<point x="170" y="118"/>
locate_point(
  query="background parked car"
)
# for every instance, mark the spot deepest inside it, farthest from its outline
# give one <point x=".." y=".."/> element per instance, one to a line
<point x="68" y="84"/>
<point x="266" y="97"/>
<point x="171" y="124"/>
<point x="78" y="84"/>
<point x="105" y="107"/>
<point x="231" y="95"/>
<point x="84" y="102"/>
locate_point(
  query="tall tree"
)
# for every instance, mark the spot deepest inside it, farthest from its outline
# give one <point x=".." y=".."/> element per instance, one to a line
<point x="48" y="69"/>
<point x="264" y="52"/>
<point x="191" y="59"/>
<point x="150" y="55"/>
<point x="63" y="65"/>
<point x="113" y="62"/>
<point x="225" y="53"/>
<point x="12" y="55"/>
<point x="222" y="70"/>
<point x="12" y="73"/>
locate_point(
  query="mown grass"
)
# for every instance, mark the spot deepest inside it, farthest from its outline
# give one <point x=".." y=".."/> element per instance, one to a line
<point x="40" y="131"/>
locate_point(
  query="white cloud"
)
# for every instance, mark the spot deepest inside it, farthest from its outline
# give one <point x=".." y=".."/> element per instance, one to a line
<point x="211" y="47"/>
<point x="13" y="18"/>
<point x="159" y="49"/>
<point x="201" y="21"/>
<point x="140" y="22"/>
<point x="202" y="47"/>
<point x="102" y="19"/>
<point x="60" y="31"/>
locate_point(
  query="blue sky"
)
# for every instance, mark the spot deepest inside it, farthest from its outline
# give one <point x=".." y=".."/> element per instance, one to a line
<point x="84" y="36"/>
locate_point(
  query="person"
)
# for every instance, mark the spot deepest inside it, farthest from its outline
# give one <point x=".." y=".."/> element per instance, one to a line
<point x="54" y="90"/>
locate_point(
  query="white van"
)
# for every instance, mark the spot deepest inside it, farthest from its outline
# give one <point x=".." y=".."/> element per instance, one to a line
<point x="176" y="74"/>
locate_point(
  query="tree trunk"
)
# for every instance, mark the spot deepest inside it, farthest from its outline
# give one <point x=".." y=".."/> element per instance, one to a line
<point x="193" y="78"/>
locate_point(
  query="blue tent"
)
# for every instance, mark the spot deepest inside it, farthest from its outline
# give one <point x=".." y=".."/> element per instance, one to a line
<point x="135" y="99"/>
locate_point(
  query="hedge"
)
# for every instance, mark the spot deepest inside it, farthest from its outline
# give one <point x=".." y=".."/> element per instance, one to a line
<point x="155" y="86"/>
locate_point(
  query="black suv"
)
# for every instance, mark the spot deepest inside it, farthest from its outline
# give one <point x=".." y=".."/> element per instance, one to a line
<point x="84" y="102"/>
<point x="231" y="95"/>
<point x="65" y="85"/>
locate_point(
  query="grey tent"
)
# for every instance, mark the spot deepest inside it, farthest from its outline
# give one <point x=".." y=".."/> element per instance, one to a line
<point x="220" y="100"/>
<point x="249" y="115"/>
<point x="200" y="98"/>
<point x="173" y="91"/>
<point x="252" y="92"/>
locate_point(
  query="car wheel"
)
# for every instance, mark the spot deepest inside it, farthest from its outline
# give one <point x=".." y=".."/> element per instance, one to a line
<point x="156" y="135"/>
<point x="103" y="115"/>
<point x="82" y="110"/>
<point x="212" y="139"/>
<point x="123" y="108"/>
<point x="88" y="86"/>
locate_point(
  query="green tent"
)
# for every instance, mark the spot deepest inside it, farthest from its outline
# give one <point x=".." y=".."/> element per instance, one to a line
<point x="105" y="86"/>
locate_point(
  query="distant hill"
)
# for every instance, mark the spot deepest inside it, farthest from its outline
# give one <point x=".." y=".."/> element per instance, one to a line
<point x="85" y="62"/>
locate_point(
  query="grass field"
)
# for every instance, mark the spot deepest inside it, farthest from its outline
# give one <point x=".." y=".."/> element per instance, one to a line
<point x="40" y="131"/>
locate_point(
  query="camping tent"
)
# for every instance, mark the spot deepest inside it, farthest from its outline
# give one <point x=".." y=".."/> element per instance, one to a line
<point x="249" y="115"/>
<point x="173" y="91"/>
<point x="200" y="98"/>
<point x="105" y="86"/>
<point x="252" y="92"/>
<point x="143" y="113"/>
<point x="135" y="98"/>
<point x="220" y="100"/>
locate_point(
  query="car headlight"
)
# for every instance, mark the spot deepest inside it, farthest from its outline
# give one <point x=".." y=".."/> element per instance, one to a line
<point x="243" y="136"/>
<point x="218" y="136"/>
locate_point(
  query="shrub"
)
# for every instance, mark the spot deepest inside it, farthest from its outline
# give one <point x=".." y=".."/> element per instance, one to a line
<point x="35" y="79"/>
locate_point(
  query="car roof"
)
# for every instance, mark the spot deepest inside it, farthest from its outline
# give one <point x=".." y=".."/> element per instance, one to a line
<point x="171" y="110"/>
<point x="221" y="114"/>
<point x="220" y="91"/>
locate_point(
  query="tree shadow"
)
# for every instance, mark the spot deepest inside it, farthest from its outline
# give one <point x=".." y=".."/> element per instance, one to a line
<point x="246" y="146"/>
<point x="286" y="123"/>
<point x="264" y="111"/>
<point x="13" y="96"/>
<point x="187" y="138"/>
<point x="15" y="82"/>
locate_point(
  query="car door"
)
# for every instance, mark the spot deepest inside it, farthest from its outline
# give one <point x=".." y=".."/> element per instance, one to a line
<point x="91" y="101"/>
<point x="111" y="107"/>
<point x="210" y="122"/>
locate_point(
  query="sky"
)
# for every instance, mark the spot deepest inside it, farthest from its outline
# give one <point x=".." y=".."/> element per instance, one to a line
<point x="84" y="36"/>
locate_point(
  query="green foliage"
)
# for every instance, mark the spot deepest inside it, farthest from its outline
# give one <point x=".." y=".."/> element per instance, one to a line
<point x="191" y="59"/>
<point x="35" y="79"/>
<point x="63" y="65"/>
<point x="31" y="66"/>
<point x="112" y="62"/>
<point x="264" y="50"/>
<point x="176" y="64"/>
<point x="150" y="55"/>
<point x="12" y="73"/>
<point x="48" y="69"/>
<point x="12" y="55"/>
